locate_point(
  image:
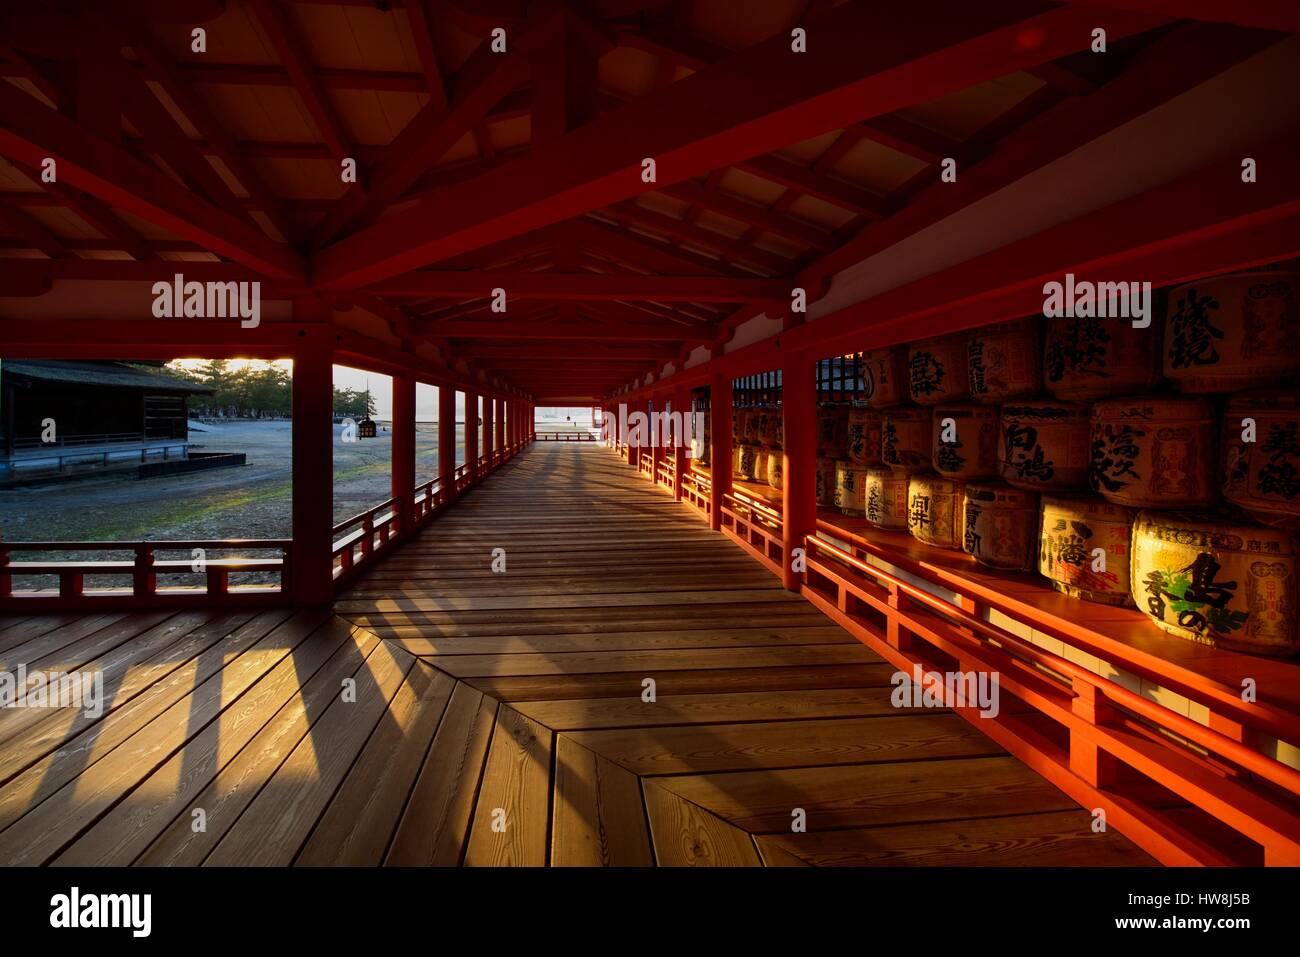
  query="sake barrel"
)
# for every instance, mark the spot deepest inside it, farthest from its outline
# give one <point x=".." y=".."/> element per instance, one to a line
<point x="762" y="455"/>
<point x="884" y="376"/>
<point x="778" y="428"/>
<point x="937" y="370"/>
<point x="1071" y="528"/>
<point x="1225" y="584"/>
<point x="748" y="464"/>
<point x="965" y="441"/>
<point x="737" y="459"/>
<point x="905" y="439"/>
<point x="1000" y="525"/>
<point x="885" y="501"/>
<point x="1004" y="360"/>
<point x="864" y="443"/>
<point x="1233" y="332"/>
<point x="934" y="510"/>
<point x="769" y="428"/>
<point x="850" y="486"/>
<point x="739" y="423"/>
<point x="1044" y="445"/>
<point x="754" y="424"/>
<point x="1157" y="451"/>
<point x="832" y="429"/>
<point x="775" y="468"/>
<point x="1263" y="475"/>
<point x="826" y="481"/>
<point x="1086" y="358"/>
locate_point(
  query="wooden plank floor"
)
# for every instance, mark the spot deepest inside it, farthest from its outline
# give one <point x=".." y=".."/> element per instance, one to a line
<point x="452" y="712"/>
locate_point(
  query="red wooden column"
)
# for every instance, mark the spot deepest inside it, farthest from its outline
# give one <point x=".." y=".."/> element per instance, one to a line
<point x="311" y="558"/>
<point x="657" y="451"/>
<point x="471" y="434"/>
<point x="403" y="464"/>
<point x="489" y="421"/>
<point x="447" y="440"/>
<point x="499" y="417"/>
<point x="720" y="450"/>
<point x="682" y="406"/>
<point x="799" y="478"/>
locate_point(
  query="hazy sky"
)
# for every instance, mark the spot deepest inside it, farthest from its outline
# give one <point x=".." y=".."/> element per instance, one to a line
<point x="426" y="396"/>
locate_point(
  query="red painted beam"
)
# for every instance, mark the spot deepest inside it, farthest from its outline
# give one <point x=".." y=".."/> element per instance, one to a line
<point x="582" y="286"/>
<point x="1282" y="15"/>
<point x="31" y="132"/>
<point x="872" y="59"/>
<point x="553" y="330"/>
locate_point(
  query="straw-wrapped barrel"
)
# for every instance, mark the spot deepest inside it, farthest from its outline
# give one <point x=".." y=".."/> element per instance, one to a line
<point x="1083" y="547"/>
<point x="1229" y="585"/>
<point x="934" y="510"/>
<point x="1086" y="358"/>
<point x="1004" y="360"/>
<point x="965" y="441"/>
<point x="1044" y="445"/>
<point x="884" y="376"/>
<point x="1157" y="451"/>
<point x="905" y="439"/>
<point x="1233" y="332"/>
<point x="864" y="445"/>
<point x="886" y="498"/>
<point x="937" y="370"/>
<point x="1261" y="456"/>
<point x="999" y="525"/>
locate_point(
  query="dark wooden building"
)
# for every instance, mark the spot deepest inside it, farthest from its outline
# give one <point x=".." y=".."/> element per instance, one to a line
<point x="55" y="414"/>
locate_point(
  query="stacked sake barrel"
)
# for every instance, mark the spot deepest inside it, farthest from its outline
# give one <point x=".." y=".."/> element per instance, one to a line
<point x="1204" y="471"/>
<point x="896" y="425"/>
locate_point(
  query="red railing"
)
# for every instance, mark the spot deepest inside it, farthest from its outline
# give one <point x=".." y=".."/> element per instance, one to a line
<point x="1175" y="786"/>
<point x="565" y="437"/>
<point x="358" y="540"/>
<point x="697" y="491"/>
<point x="143" y="569"/>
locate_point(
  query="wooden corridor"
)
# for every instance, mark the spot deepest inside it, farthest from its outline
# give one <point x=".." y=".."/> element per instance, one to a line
<point x="498" y="715"/>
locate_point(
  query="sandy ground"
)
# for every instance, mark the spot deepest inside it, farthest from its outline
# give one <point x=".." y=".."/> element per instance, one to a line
<point x="250" y="501"/>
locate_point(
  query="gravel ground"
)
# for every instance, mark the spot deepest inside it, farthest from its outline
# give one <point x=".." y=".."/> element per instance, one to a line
<point x="249" y="501"/>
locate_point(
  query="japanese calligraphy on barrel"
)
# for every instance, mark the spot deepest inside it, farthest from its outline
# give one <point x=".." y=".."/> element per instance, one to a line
<point x="1044" y="445"/>
<point x="762" y="455"/>
<point x="934" y="510"/>
<point x="1087" y="358"/>
<point x="1083" y="547"/>
<point x="1000" y="525"/>
<point x="1157" y="451"/>
<point x="832" y="430"/>
<point x="965" y="441"/>
<point x="747" y="461"/>
<point x="775" y="468"/>
<point x="1229" y="585"/>
<point x="885" y="376"/>
<point x="864" y="444"/>
<point x="850" y="487"/>
<point x="1004" y="360"/>
<point x="885" y="504"/>
<point x="1233" y="332"/>
<point x="825" y="481"/>
<point x="739" y="422"/>
<point x="1261" y="456"/>
<point x="905" y="439"/>
<point x="937" y="370"/>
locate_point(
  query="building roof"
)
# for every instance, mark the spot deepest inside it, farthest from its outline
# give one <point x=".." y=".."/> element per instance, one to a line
<point x="118" y="374"/>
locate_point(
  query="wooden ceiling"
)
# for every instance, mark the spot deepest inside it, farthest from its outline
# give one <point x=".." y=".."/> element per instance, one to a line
<point x="523" y="170"/>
